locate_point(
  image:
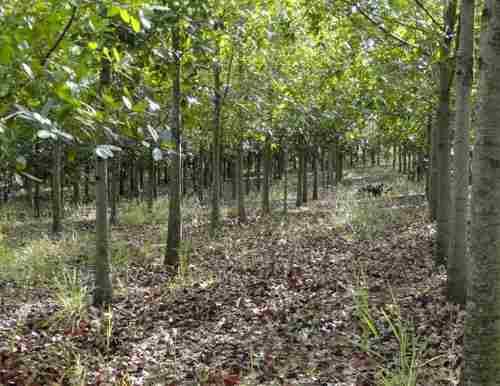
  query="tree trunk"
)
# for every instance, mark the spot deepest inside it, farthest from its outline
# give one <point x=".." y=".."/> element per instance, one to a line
<point x="285" y="179"/>
<point x="443" y="120"/>
<point x="36" y="201"/>
<point x="151" y="181"/>
<point x="300" y="175"/>
<point x="56" y="189"/>
<point x="266" y="187"/>
<point x="315" y="174"/>
<point x="75" y="199"/>
<point x="216" y="146"/>
<point x="434" y="170"/>
<point x="331" y="165"/>
<point x="174" y="237"/>
<point x="103" y="292"/>
<point x="339" y="163"/>
<point x="305" y="187"/>
<point x="457" y="264"/>
<point x="240" y="192"/>
<point x="115" y="186"/>
<point x="482" y="334"/>
<point x="249" y="168"/>
<point x="258" y="168"/>
<point x="28" y="184"/>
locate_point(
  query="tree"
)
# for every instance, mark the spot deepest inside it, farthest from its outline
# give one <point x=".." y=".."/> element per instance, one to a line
<point x="482" y="336"/>
<point x="174" y="213"/>
<point x="457" y="264"/>
<point x="443" y="145"/>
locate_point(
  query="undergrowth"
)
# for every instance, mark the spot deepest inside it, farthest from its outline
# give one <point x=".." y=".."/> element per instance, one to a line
<point x="403" y="370"/>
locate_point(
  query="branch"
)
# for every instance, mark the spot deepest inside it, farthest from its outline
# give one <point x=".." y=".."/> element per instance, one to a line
<point x="228" y="79"/>
<point x="385" y="30"/>
<point x="428" y="13"/>
<point x="61" y="37"/>
<point x="44" y="60"/>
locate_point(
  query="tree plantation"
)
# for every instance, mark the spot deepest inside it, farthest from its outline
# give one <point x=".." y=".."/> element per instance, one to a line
<point x="249" y="192"/>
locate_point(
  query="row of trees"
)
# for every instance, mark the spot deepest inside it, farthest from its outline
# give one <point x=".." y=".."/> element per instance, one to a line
<point x="142" y="85"/>
<point x="130" y="86"/>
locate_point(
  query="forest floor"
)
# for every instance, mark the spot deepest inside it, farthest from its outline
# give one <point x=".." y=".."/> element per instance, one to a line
<point x="342" y="291"/>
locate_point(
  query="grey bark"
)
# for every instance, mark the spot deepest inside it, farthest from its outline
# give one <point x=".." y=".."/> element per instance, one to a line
<point x="240" y="191"/>
<point x="482" y="332"/>
<point x="457" y="264"/>
<point x="216" y="155"/>
<point x="103" y="292"/>
<point x="443" y="122"/>
<point x="174" y="233"/>
<point x="56" y="189"/>
<point x="285" y="179"/>
<point x="266" y="186"/>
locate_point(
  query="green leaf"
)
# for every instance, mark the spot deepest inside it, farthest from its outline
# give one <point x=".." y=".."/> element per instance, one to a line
<point x="92" y="45"/>
<point x="136" y="24"/>
<point x="113" y="11"/>
<point x="116" y="54"/>
<point x="6" y="54"/>
<point x="27" y="69"/>
<point x="108" y="99"/>
<point x="127" y="102"/>
<point x="125" y="15"/>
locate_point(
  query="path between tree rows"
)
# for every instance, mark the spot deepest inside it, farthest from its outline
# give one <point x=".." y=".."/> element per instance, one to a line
<point x="270" y="303"/>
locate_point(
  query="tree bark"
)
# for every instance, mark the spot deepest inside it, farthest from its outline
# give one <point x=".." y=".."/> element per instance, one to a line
<point x="300" y="175"/>
<point x="174" y="233"/>
<point x="103" y="292"/>
<point x="115" y="189"/>
<point x="56" y="189"/>
<point x="216" y="148"/>
<point x="339" y="163"/>
<point x="305" y="187"/>
<point x="151" y="181"/>
<point x="315" y="173"/>
<point x="285" y="179"/>
<point x="482" y="332"/>
<point x="457" y="264"/>
<point x="266" y="187"/>
<point x="240" y="192"/>
<point x="443" y="121"/>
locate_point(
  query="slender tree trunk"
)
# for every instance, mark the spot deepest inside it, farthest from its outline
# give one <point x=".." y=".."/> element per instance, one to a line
<point x="258" y="172"/>
<point x="248" y="175"/>
<point x="75" y="199"/>
<point x="36" y="202"/>
<point x="151" y="182"/>
<point x="266" y="207"/>
<point x="434" y="170"/>
<point x="121" y="181"/>
<point x="56" y="189"/>
<point x="216" y="145"/>
<point x="314" y="155"/>
<point x="285" y="179"/>
<point x="305" y="187"/>
<point x="240" y="192"/>
<point x="115" y="186"/>
<point x="300" y="175"/>
<point x="331" y="164"/>
<point x="482" y="332"/>
<point x="457" y="263"/>
<point x="339" y="163"/>
<point x="174" y="236"/>
<point x="29" y="192"/>
<point x="103" y="292"/>
<point x="443" y="213"/>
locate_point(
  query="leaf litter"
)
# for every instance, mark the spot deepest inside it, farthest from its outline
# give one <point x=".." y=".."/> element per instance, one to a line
<point x="270" y="302"/>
